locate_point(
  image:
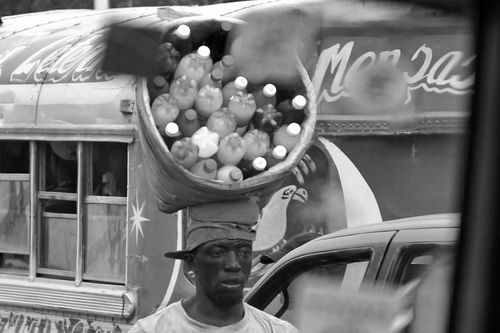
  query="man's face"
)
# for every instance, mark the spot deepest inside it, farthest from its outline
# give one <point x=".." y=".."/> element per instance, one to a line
<point x="222" y="269"/>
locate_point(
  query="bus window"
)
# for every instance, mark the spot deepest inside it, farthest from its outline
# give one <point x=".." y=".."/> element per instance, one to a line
<point x="59" y="174"/>
<point x="14" y="206"/>
<point x="109" y="169"/>
<point x="105" y="210"/>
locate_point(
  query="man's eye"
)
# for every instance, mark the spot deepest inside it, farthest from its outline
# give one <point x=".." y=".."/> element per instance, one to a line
<point x="217" y="253"/>
<point x="245" y="253"/>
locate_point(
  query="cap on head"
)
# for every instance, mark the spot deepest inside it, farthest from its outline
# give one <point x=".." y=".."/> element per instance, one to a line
<point x="219" y="220"/>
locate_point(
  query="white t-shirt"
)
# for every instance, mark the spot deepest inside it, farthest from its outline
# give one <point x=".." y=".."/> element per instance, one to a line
<point x="174" y="319"/>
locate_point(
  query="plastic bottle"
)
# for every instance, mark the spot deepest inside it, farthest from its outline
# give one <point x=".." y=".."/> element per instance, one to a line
<point x="287" y="136"/>
<point x="203" y="53"/>
<point x="226" y="65"/>
<point x="195" y="64"/>
<point x="207" y="142"/>
<point x="256" y="144"/>
<point x="267" y="119"/>
<point x="275" y="155"/>
<point x="232" y="87"/>
<point x="206" y="168"/>
<point x="229" y="174"/>
<point x="180" y="39"/>
<point x="213" y="79"/>
<point x="157" y="85"/>
<point x="222" y="121"/>
<point x="253" y="167"/>
<point x="171" y="133"/>
<point x="166" y="59"/>
<point x="266" y="95"/>
<point x="208" y="100"/>
<point x="188" y="122"/>
<point x="293" y="110"/>
<point x="184" y="90"/>
<point x="185" y="152"/>
<point x="231" y="149"/>
<point x="164" y="110"/>
<point x="243" y="106"/>
<point x="219" y="38"/>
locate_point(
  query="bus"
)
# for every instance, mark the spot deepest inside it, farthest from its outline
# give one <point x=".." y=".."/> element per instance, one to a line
<point x="81" y="233"/>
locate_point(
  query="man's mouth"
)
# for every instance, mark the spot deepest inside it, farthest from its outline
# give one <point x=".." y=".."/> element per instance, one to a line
<point x="232" y="283"/>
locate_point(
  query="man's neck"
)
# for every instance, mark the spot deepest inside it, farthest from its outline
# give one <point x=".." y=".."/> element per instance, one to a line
<point x="202" y="309"/>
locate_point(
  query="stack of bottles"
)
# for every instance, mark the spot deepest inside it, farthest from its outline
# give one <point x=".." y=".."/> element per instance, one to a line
<point x="214" y="122"/>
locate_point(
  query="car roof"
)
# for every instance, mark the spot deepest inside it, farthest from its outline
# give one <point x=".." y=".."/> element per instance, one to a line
<point x="449" y="220"/>
<point x="323" y="243"/>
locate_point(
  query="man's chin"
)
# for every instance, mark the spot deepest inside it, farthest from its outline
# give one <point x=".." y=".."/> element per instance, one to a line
<point x="227" y="299"/>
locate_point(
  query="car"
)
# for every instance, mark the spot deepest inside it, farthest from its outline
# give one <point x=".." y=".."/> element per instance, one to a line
<point x="391" y="253"/>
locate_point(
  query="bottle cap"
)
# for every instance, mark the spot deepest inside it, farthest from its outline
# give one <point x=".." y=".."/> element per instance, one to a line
<point x="216" y="74"/>
<point x="299" y="102"/>
<point x="226" y="26"/>
<point x="159" y="81"/>
<point x="269" y="90"/>
<point x="183" y="31"/>
<point x="279" y="152"/>
<point x="227" y="61"/>
<point x="210" y="165"/>
<point x="190" y="114"/>
<point x="203" y="52"/>
<point x="293" y="129"/>
<point x="236" y="174"/>
<point x="259" y="163"/>
<point x="240" y="82"/>
<point x="172" y="129"/>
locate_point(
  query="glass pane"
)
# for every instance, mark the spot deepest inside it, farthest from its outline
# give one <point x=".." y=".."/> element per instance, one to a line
<point x="109" y="169"/>
<point x="14" y="157"/>
<point x="60" y="167"/>
<point x="14" y="216"/>
<point x="14" y="263"/>
<point x="345" y="275"/>
<point x="58" y="243"/>
<point x="333" y="274"/>
<point x="105" y="241"/>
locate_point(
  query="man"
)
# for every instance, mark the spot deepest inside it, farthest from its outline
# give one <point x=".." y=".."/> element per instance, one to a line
<point x="218" y="255"/>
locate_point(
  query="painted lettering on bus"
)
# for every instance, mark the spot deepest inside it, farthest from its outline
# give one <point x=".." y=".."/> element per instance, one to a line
<point x="434" y="74"/>
<point x="60" y="61"/>
<point x="25" y="323"/>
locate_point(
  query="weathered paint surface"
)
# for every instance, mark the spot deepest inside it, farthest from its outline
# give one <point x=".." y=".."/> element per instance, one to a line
<point x="24" y="322"/>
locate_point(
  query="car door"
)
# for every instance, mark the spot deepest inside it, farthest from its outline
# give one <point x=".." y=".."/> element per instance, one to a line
<point x="344" y="262"/>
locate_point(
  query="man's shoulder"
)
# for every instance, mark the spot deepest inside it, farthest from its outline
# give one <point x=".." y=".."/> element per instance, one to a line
<point x="276" y="324"/>
<point x="161" y="318"/>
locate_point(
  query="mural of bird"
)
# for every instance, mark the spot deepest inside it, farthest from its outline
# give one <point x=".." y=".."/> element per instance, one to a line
<point x="272" y="224"/>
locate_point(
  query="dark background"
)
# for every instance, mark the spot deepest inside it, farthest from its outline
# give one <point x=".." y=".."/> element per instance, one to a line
<point x="12" y="7"/>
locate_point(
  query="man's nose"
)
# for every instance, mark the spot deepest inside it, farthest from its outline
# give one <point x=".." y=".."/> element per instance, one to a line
<point x="232" y="261"/>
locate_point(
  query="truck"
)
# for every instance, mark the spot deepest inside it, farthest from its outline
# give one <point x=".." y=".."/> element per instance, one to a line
<point x="81" y="233"/>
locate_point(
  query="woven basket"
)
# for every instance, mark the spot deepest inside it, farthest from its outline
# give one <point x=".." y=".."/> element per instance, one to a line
<point x="175" y="187"/>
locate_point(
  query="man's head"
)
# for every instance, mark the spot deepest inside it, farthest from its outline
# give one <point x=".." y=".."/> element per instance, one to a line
<point x="221" y="269"/>
<point x="219" y="248"/>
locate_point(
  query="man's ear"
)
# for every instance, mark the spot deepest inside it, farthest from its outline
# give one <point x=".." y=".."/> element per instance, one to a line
<point x="189" y="261"/>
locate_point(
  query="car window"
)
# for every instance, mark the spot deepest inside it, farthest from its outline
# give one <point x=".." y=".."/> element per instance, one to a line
<point x="340" y="272"/>
<point x="413" y="260"/>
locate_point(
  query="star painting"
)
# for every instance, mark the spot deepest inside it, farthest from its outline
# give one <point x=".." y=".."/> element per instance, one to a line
<point x="137" y="219"/>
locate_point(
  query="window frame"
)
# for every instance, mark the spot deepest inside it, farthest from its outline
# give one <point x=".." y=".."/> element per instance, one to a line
<point x="36" y="179"/>
<point x="286" y="274"/>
